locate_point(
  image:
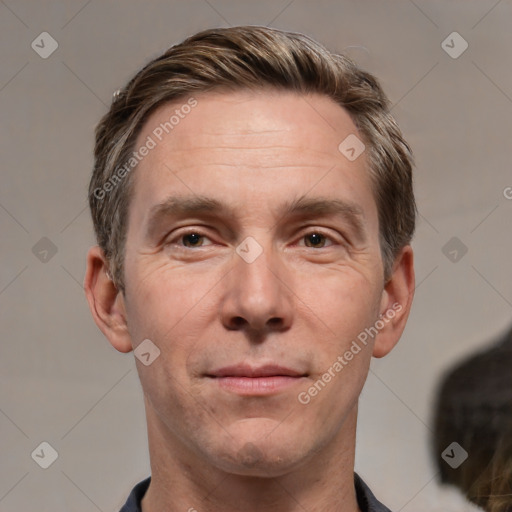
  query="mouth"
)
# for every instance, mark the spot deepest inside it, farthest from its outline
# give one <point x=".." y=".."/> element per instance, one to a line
<point x="256" y="381"/>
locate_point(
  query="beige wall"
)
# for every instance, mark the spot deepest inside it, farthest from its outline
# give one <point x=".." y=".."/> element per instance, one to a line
<point x="63" y="383"/>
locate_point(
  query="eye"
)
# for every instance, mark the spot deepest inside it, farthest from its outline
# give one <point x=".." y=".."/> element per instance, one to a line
<point x="191" y="239"/>
<point x="315" y="239"/>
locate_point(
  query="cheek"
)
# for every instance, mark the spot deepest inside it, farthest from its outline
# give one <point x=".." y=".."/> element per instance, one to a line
<point x="173" y="315"/>
<point x="341" y="307"/>
<point x="170" y="313"/>
<point x="164" y="298"/>
<point x="342" y="302"/>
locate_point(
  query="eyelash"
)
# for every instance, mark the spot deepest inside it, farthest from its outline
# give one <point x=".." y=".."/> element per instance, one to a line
<point x="181" y="235"/>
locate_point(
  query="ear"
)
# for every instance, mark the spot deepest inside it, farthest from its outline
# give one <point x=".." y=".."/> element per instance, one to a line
<point x="396" y="302"/>
<point x="106" y="302"/>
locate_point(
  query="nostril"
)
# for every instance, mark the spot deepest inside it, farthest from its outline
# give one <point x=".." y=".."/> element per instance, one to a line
<point x="237" y="321"/>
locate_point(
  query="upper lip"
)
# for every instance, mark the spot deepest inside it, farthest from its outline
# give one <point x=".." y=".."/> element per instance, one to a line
<point x="245" y="370"/>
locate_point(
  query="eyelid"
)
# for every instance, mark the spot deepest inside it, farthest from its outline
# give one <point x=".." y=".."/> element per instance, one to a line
<point x="180" y="233"/>
<point x="310" y="230"/>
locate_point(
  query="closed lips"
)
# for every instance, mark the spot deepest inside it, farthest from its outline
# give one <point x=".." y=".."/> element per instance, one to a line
<point x="256" y="372"/>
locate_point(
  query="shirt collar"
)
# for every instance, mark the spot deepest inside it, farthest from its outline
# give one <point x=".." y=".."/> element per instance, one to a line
<point x="366" y="500"/>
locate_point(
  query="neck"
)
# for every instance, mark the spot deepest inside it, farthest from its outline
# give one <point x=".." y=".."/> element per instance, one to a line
<point x="180" y="482"/>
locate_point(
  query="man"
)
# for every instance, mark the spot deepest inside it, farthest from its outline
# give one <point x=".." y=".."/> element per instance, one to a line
<point x="252" y="201"/>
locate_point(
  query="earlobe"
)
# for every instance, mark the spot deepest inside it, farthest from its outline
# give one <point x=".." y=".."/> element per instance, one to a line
<point x="106" y="302"/>
<point x="396" y="303"/>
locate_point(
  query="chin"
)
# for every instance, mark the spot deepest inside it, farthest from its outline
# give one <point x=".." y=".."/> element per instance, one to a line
<point x="250" y="461"/>
<point x="262" y="456"/>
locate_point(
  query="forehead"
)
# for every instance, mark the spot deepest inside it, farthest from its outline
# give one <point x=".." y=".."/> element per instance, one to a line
<point x="309" y="123"/>
<point x="245" y="145"/>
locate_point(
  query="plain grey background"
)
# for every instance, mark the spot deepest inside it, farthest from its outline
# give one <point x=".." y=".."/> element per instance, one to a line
<point x="62" y="382"/>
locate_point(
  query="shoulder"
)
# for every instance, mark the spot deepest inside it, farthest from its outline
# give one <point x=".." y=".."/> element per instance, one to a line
<point x="365" y="498"/>
<point x="134" y="499"/>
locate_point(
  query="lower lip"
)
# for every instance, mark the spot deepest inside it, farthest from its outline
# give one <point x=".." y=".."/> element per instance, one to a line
<point x="257" y="386"/>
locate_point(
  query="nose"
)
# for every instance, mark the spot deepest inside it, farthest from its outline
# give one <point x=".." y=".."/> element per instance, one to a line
<point x="258" y="296"/>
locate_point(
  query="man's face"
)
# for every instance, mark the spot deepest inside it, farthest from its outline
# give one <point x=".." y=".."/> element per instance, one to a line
<point x="217" y="308"/>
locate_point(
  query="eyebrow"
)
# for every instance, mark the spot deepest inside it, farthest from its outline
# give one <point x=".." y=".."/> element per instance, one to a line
<point x="179" y="206"/>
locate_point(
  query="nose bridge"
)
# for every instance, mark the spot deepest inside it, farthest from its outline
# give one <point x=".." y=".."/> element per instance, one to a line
<point x="256" y="290"/>
<point x="257" y="265"/>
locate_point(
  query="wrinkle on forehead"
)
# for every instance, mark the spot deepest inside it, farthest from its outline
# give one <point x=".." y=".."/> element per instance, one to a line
<point x="260" y="114"/>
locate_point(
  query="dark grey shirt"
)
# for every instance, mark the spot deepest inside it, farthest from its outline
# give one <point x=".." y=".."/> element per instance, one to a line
<point x="365" y="498"/>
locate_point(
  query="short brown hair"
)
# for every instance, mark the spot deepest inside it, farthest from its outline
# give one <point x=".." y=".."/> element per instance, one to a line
<point x="250" y="57"/>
